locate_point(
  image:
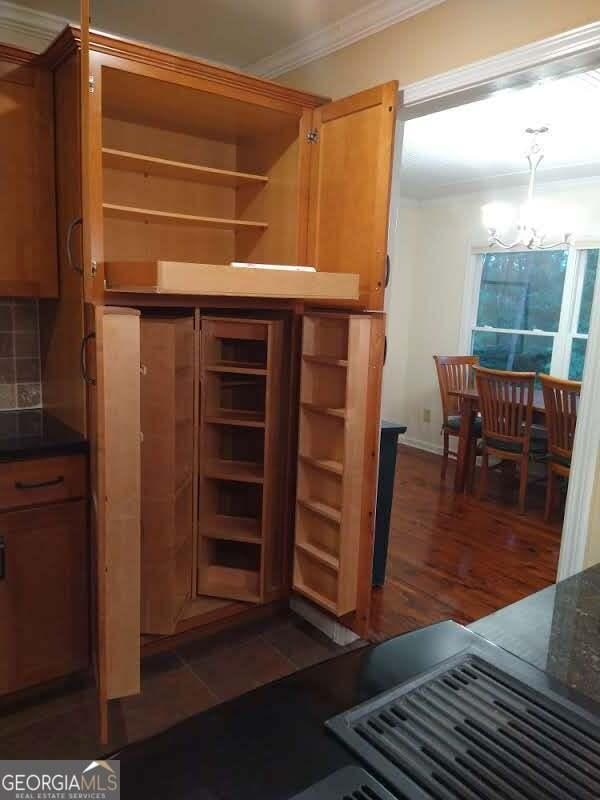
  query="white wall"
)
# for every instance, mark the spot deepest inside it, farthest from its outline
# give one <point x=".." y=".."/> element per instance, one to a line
<point x="431" y="246"/>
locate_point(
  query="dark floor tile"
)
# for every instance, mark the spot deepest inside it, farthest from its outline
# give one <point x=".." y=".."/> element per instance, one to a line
<point x="244" y="667"/>
<point x="26" y="344"/>
<point x="25" y="315"/>
<point x="301" y="643"/>
<point x="6" y="319"/>
<point x="28" y="370"/>
<point x="7" y="370"/>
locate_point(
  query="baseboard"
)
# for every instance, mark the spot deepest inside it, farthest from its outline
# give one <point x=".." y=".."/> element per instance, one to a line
<point x="330" y="627"/>
<point x="420" y="444"/>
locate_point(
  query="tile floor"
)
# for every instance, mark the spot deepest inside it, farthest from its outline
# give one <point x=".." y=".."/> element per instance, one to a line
<point x="175" y="685"/>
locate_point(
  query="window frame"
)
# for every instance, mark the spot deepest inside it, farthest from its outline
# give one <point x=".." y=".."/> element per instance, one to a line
<point x="564" y="336"/>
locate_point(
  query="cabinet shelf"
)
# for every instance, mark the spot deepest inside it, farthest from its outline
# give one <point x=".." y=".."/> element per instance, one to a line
<point x="327" y="560"/>
<point x="173" y="218"/>
<point x="326" y="464"/>
<point x="340" y="413"/>
<point x="165" y="168"/>
<point x="316" y="597"/>
<point x="326" y="361"/>
<point x="242" y="471"/>
<point x="229" y="528"/>
<point x="237" y="584"/>
<point x="242" y="419"/>
<point x="322" y="509"/>
<point x="235" y="368"/>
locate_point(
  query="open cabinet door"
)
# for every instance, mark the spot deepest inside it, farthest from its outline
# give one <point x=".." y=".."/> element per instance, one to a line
<point x="115" y="466"/>
<point x="351" y="169"/>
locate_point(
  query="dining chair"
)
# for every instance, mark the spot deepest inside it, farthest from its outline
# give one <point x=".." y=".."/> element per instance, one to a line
<point x="561" y="400"/>
<point x="454" y="373"/>
<point x="506" y="402"/>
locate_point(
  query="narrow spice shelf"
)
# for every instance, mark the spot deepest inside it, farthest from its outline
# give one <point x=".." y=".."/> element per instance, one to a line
<point x="229" y="528"/>
<point x="235" y="368"/>
<point x="327" y="560"/>
<point x="153" y="216"/>
<point x="326" y="464"/>
<point x="315" y="596"/>
<point x="330" y="412"/>
<point x="243" y="471"/>
<point x="326" y="361"/>
<point x="165" y="168"/>
<point x="237" y="584"/>
<point x="322" y="509"/>
<point x="243" y="419"/>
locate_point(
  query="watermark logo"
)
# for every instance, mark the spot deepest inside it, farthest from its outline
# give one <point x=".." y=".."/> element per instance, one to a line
<point x="60" y="780"/>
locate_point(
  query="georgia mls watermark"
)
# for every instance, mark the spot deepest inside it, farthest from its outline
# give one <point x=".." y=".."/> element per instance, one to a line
<point x="60" y="780"/>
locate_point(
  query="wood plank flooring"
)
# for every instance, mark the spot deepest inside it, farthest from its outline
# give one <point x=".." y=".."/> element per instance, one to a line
<point x="455" y="557"/>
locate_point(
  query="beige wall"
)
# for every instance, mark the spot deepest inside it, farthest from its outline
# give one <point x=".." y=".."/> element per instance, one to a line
<point x="449" y="35"/>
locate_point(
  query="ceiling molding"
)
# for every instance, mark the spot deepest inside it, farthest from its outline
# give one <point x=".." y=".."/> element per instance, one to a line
<point x="29" y="29"/>
<point x="368" y="20"/>
<point x="576" y="42"/>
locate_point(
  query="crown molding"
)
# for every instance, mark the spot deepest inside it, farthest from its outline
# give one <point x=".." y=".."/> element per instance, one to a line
<point x="29" y="29"/>
<point x="576" y="42"/>
<point x="370" y="19"/>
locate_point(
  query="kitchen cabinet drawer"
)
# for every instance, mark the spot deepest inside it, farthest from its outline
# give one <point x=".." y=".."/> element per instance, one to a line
<point x="42" y="480"/>
<point x="44" y="629"/>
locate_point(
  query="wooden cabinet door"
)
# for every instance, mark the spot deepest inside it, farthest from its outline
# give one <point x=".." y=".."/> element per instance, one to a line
<point x="43" y="594"/>
<point x="350" y="188"/>
<point x="27" y="224"/>
<point x="114" y="427"/>
<point x="340" y="384"/>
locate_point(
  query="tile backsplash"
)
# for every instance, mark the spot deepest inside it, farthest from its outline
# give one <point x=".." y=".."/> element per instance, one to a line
<point x="20" y="369"/>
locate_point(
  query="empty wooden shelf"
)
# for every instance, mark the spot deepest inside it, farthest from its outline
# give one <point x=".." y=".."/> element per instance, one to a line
<point x="177" y="277"/>
<point x="166" y="168"/>
<point x="173" y="218"/>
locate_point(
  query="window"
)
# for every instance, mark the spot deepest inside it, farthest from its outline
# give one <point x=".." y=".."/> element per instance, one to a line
<point x="533" y="308"/>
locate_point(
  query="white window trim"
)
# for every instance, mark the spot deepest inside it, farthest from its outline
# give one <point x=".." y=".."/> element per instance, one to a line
<point x="569" y="316"/>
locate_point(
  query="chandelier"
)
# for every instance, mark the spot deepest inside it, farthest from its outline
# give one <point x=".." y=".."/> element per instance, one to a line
<point x="533" y="220"/>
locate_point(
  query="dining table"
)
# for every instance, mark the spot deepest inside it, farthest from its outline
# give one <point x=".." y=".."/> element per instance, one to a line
<point x="469" y="404"/>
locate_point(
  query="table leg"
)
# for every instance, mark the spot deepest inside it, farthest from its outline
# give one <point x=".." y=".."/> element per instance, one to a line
<point x="464" y="444"/>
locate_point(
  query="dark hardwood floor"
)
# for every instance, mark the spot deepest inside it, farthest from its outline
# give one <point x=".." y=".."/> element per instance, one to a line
<point x="455" y="557"/>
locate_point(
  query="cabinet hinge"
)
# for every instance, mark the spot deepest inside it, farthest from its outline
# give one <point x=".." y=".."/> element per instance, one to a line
<point x="94" y="267"/>
<point x="142" y="437"/>
<point x="91" y="84"/>
<point x="312" y="136"/>
<point x="143" y="369"/>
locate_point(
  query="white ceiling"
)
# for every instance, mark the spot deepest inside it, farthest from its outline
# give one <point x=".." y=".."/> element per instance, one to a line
<point x="239" y="33"/>
<point x="482" y="145"/>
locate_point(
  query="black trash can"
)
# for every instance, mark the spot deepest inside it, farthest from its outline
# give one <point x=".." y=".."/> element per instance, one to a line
<point x="388" y="444"/>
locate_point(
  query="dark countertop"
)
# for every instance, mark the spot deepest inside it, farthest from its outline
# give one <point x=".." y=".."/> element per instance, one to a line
<point x="35" y="433"/>
<point x="271" y="743"/>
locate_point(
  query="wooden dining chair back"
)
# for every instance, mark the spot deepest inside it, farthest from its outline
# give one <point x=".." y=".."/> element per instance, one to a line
<point x="506" y="403"/>
<point x="454" y="373"/>
<point x="561" y="400"/>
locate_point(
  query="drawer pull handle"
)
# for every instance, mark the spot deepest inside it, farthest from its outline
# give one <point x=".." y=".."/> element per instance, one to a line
<point x="82" y="360"/>
<point x="74" y="223"/>
<point x="39" y="484"/>
<point x="2" y="558"/>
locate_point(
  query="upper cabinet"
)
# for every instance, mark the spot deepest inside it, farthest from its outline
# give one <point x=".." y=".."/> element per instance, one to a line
<point x="27" y="214"/>
<point x="188" y="167"/>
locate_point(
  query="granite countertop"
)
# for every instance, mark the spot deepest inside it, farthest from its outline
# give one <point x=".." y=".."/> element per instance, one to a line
<point x="34" y="433"/>
<point x="271" y="743"/>
<point x="557" y="630"/>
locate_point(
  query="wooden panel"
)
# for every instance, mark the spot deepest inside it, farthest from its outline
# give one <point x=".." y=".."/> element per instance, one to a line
<point x="43" y="595"/>
<point x="42" y="480"/>
<point x="117" y="499"/>
<point x="350" y="188"/>
<point x="333" y="463"/>
<point x="61" y="323"/>
<point x="27" y="210"/>
<point x="175" y="277"/>
<point x="167" y="420"/>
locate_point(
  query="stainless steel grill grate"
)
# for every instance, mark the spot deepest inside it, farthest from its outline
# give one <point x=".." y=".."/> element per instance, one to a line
<point x="349" y="783"/>
<point x="472" y="731"/>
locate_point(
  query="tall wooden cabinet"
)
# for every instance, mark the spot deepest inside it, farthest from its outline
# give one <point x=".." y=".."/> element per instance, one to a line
<point x="186" y="168"/>
<point x="27" y="228"/>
